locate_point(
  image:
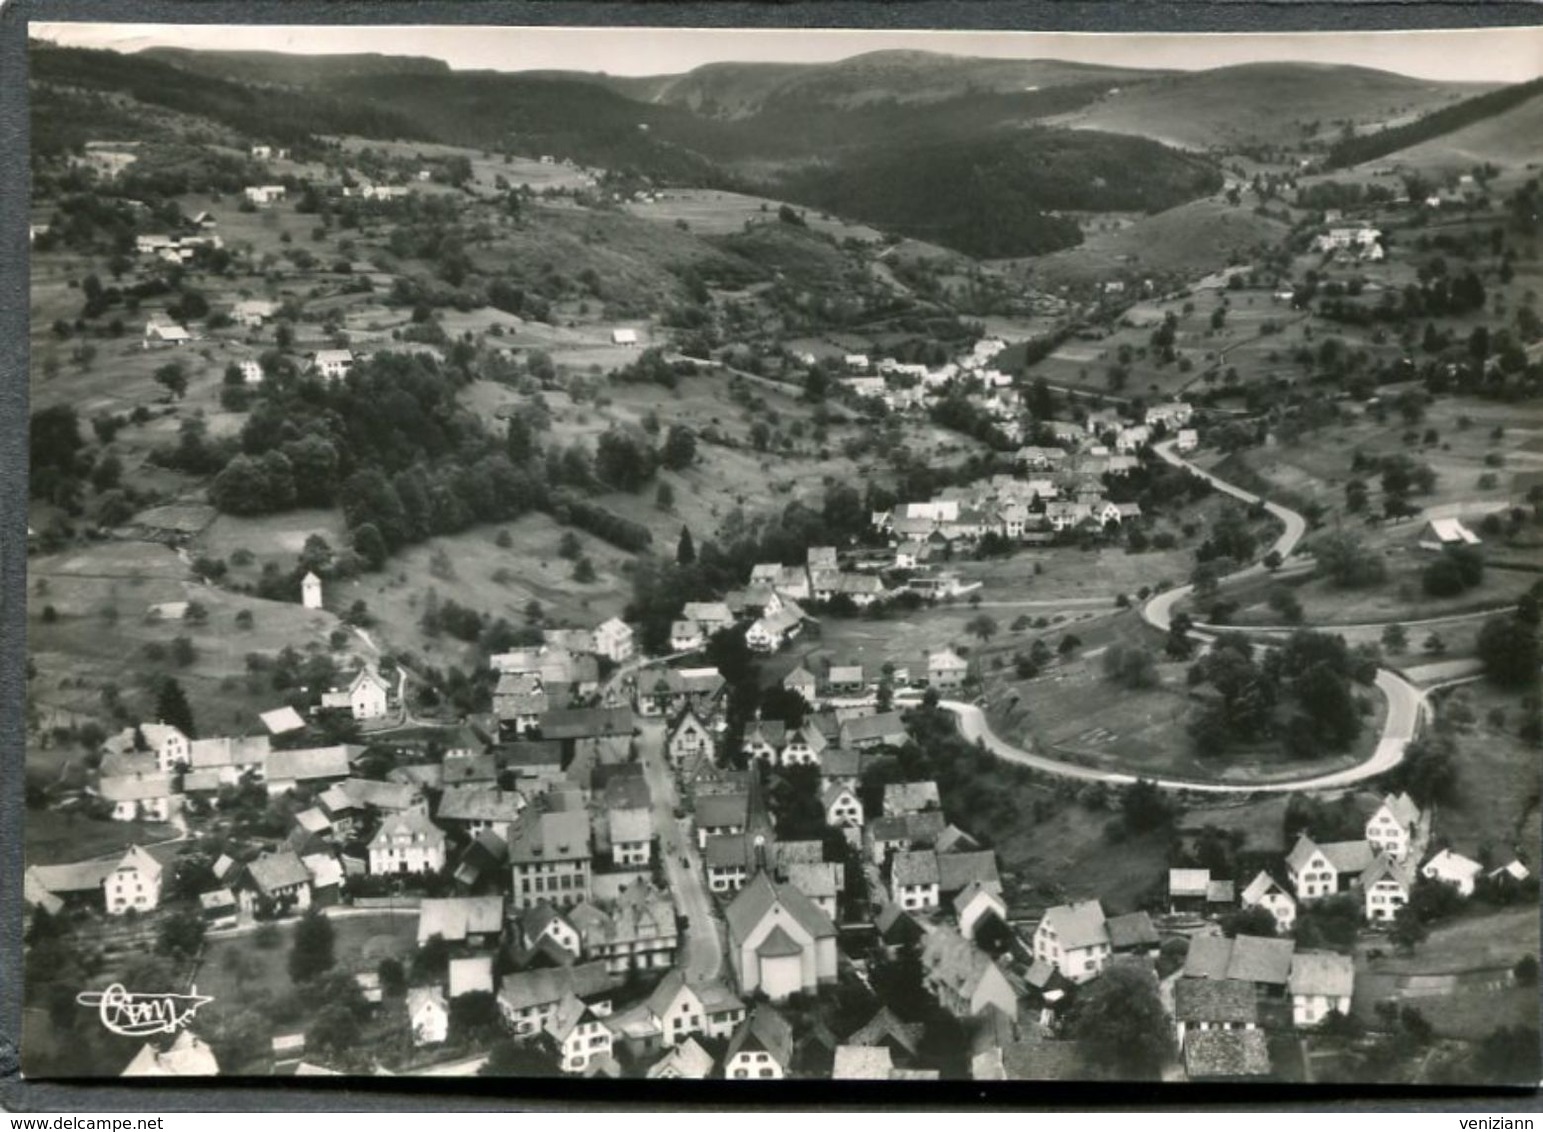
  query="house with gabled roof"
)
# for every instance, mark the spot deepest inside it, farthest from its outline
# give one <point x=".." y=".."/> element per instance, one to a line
<point x="975" y="903"/>
<point x="761" y="1048"/>
<point x="1317" y="871"/>
<point x="946" y="670"/>
<point x="1321" y="983"/>
<point x="764" y="739"/>
<point x="802" y="746"/>
<point x="821" y="882"/>
<point x="1262" y="961"/>
<point x="1394" y="826"/>
<point x="1453" y="869"/>
<point x="1439" y="534"/>
<point x="958" y="870"/>
<point x="963" y="978"/>
<point x="477" y="921"/>
<point x="886" y="729"/>
<point x="840" y="767"/>
<point x="479" y="807"/>
<point x="720" y="815"/>
<point x="911" y="798"/>
<point x="188" y="1055"/>
<point x="407" y="842"/>
<point x="1385" y="885"/>
<point x="887" y="835"/>
<point x="1074" y="939"/>
<point x="285" y="770"/>
<point x="230" y="758"/>
<point x="1227" y="1055"/>
<point x="631" y="834"/>
<point x="688" y="740"/>
<point x="139" y="797"/>
<point x="613" y="640"/>
<point x="550" y="859"/>
<point x="1201" y="1005"/>
<point x="527" y="999"/>
<point x="780" y="942"/>
<point x="913" y="879"/>
<point x="686" y="1062"/>
<point x="280" y="878"/>
<point x="1265" y="892"/>
<point x="133" y="883"/>
<point x="1133" y="934"/>
<point x="166" y="744"/>
<point x="843" y="808"/>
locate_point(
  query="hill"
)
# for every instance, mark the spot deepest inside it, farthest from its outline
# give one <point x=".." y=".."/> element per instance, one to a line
<point x="292" y="70"/>
<point x="1262" y="104"/>
<point x="997" y="195"/>
<point x="740" y="90"/>
<point x="1499" y="126"/>
<point x="1509" y="138"/>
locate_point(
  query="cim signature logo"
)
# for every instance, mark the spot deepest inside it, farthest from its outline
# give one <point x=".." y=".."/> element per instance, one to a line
<point x="139" y="1015"/>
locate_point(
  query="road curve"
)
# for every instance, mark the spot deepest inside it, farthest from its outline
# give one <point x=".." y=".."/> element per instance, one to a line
<point x="1405" y="701"/>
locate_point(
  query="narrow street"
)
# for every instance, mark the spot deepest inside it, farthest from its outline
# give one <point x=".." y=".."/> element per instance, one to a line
<point x="687" y="881"/>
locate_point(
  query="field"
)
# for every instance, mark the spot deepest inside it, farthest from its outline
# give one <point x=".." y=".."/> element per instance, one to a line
<point x="1316" y="468"/>
<point x="1498" y="776"/>
<point x="1067" y="857"/>
<point x="474" y="571"/>
<point x="1189" y="240"/>
<point x="1504" y="139"/>
<point x="361" y="940"/>
<point x="103" y="632"/>
<point x="1072" y="711"/>
<point x="517" y="171"/>
<point x="711" y="212"/>
<point x="56" y="837"/>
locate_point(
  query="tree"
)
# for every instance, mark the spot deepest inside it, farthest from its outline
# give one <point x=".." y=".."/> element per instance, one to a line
<point x="174" y="378"/>
<point x="1508" y="647"/>
<point x="368" y="545"/>
<point x="685" y="549"/>
<point x="393" y="979"/>
<point x="180" y="935"/>
<point x="1255" y="921"/>
<point x="584" y="571"/>
<point x="311" y="954"/>
<point x="1508" y="1056"/>
<point x="1120" y="1026"/>
<point x="1130" y="666"/>
<point x="1143" y="807"/>
<point x="679" y="448"/>
<point x="982" y="625"/>
<point x="511" y="1058"/>
<point x="1394" y="639"/>
<point x="1345" y="560"/>
<point x="171" y="706"/>
<point x="569" y="546"/>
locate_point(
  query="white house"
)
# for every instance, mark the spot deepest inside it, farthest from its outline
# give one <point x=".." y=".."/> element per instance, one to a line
<point x="367" y="696"/>
<point x="333" y="363"/>
<point x="1321" y="983"/>
<point x="252" y="313"/>
<point x="134" y="884"/>
<point x="580" y="1034"/>
<point x="913" y="879"/>
<point x="167" y="743"/>
<point x="251" y="371"/>
<point x="138" y="797"/>
<point x="1264" y="892"/>
<point x="624" y="336"/>
<point x="761" y="1048"/>
<point x="407" y="842"/>
<point x="1439" y="534"/>
<point x="974" y="903"/>
<point x="310" y="591"/>
<point x="1393" y="826"/>
<point x="1074" y="939"/>
<point x="613" y="640"/>
<point x="843" y="808"/>
<point x="428" y="1015"/>
<point x="1188" y="440"/>
<point x="1385" y="888"/>
<point x="160" y="332"/>
<point x="946" y="670"/>
<point x="1454" y="869"/>
<point x="1317" y="870"/>
<point x="264" y="194"/>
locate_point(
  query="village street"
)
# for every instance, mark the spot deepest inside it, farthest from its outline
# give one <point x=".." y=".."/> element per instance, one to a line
<point x="704" y="948"/>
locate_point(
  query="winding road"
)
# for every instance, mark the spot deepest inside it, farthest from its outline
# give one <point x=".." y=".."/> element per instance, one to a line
<point x="1405" y="701"/>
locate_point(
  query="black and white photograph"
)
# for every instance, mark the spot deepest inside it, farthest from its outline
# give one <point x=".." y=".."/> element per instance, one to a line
<point x="676" y="555"/>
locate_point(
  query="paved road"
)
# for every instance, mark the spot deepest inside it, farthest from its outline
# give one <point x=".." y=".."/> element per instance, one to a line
<point x="704" y="948"/>
<point x="1405" y="701"/>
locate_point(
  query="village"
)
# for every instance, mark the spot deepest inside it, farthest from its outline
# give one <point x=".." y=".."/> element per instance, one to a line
<point x="1136" y="685"/>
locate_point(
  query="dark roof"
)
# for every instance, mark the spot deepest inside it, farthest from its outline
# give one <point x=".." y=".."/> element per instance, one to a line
<point x="586" y="723"/>
<point x="1132" y="930"/>
<point x="715" y="811"/>
<point x="1211" y="1054"/>
<point x="546" y="752"/>
<point x="1041" y="1061"/>
<point x="1215" y="1000"/>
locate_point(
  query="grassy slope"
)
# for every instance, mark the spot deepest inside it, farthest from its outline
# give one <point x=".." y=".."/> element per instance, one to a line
<point x="1507" y="139"/>
<point x="1260" y="103"/>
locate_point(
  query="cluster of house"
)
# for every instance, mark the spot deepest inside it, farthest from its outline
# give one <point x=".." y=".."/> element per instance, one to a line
<point x="179" y="249"/>
<point x="541" y="690"/>
<point x="1363" y="241"/>
<point x="1060" y="488"/>
<point x="903" y="385"/>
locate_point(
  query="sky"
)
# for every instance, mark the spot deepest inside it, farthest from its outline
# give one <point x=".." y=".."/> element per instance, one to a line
<point x="1483" y="55"/>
